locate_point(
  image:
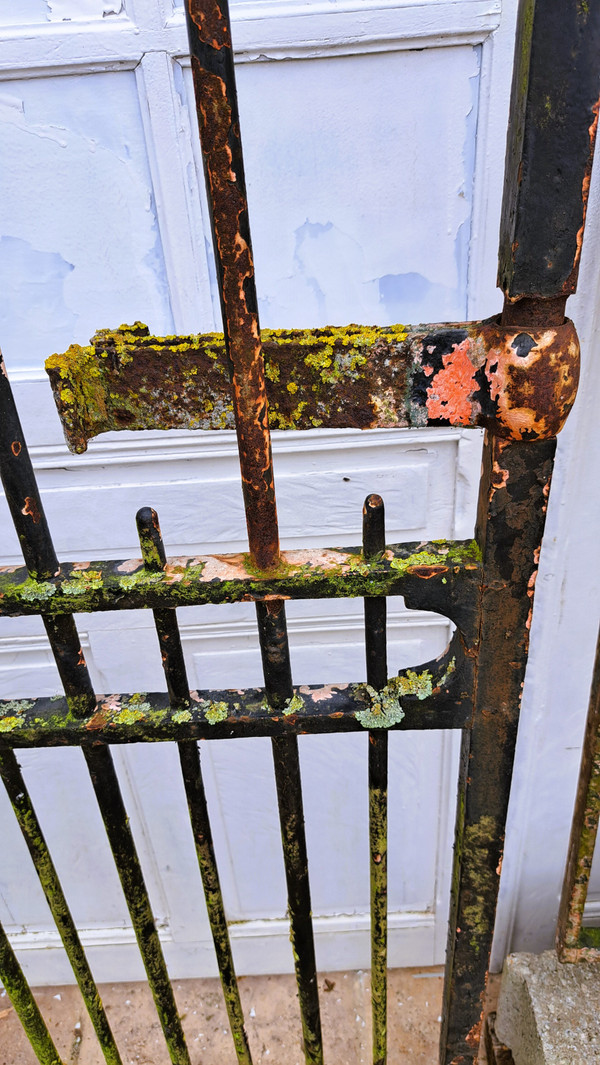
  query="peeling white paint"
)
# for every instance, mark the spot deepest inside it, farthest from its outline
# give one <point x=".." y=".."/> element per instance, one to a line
<point x="82" y="10"/>
<point x="80" y="246"/>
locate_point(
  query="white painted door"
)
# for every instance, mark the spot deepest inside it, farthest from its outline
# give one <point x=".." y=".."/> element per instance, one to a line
<point x="374" y="136"/>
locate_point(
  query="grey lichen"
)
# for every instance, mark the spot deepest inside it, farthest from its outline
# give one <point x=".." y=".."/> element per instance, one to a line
<point x="385" y="708"/>
<point x="36" y="590"/>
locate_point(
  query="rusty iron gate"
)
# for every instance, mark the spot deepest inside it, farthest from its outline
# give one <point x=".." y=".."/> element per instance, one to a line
<point x="515" y="375"/>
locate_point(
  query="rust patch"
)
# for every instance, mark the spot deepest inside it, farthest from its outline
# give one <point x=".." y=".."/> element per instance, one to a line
<point x="211" y="23"/>
<point x="31" y="510"/>
<point x="15" y="447"/>
<point x="219" y="135"/>
<point x="532" y="377"/>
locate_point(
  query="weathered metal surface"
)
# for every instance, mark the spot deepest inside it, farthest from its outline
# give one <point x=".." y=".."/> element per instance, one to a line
<point x="280" y="697"/>
<point x="34" y="838"/>
<point x="376" y="655"/>
<point x="444" y="572"/>
<point x="189" y="757"/>
<point x="209" y="34"/>
<point x="25" y="505"/>
<point x="116" y="822"/>
<point x="512" y="508"/>
<point x="520" y="382"/>
<point x="25" y="1006"/>
<point x="169" y="639"/>
<point x="573" y="941"/>
<point x="286" y="763"/>
<point x="436" y="694"/>
<point x="552" y="129"/>
<point x="21" y="490"/>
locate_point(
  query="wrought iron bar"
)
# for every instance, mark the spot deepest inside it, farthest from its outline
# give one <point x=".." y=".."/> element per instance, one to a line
<point x="116" y="822"/>
<point x="153" y="553"/>
<point x="435" y="695"/>
<point x="209" y="32"/>
<point x="359" y="377"/>
<point x="512" y="472"/>
<point x="376" y="654"/>
<point x="443" y="573"/>
<point x="25" y="1006"/>
<point x="52" y="887"/>
<point x="27" y="512"/>
<point x="280" y="694"/>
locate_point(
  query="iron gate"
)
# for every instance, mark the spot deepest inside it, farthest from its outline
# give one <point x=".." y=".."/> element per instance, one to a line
<point x="515" y="375"/>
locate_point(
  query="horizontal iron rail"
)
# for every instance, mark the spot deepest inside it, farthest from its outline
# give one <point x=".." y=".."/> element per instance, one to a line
<point x="452" y="568"/>
<point x="435" y="695"/>
<point x="518" y="381"/>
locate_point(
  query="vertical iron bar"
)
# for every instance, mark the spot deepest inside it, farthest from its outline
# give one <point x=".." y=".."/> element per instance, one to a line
<point x="550" y="146"/>
<point x="26" y="1007"/>
<point x="108" y="793"/>
<point x="376" y="654"/>
<point x="514" y="475"/>
<point x="38" y="848"/>
<point x="153" y="553"/>
<point x="167" y="629"/>
<point x="584" y="830"/>
<point x="209" y="32"/>
<point x="39" y="554"/>
<point x="25" y="504"/>
<point x="278" y="686"/>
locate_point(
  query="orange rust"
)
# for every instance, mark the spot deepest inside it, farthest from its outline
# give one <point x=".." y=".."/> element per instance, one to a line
<point x="474" y="1035"/>
<point x="31" y="510"/>
<point x="15" y="447"/>
<point x="427" y="572"/>
<point x="218" y="131"/>
<point x="533" y="377"/>
<point x="212" y="24"/>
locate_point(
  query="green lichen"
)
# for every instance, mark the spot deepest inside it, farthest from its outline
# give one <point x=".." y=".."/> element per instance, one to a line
<point x="82" y="583"/>
<point x="215" y="712"/>
<point x="14" y="713"/>
<point x="181" y="716"/>
<point x="33" y="591"/>
<point x="293" y="705"/>
<point x="142" y="577"/>
<point x="479" y="881"/>
<point x="128" y="714"/>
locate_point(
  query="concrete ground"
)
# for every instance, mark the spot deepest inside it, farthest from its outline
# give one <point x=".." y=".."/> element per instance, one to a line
<point x="272" y="1020"/>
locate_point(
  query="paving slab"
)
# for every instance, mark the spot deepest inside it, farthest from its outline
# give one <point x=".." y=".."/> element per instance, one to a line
<point x="272" y="1019"/>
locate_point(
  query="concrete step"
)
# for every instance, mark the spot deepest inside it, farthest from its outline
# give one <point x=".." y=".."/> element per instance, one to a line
<point x="549" y="1013"/>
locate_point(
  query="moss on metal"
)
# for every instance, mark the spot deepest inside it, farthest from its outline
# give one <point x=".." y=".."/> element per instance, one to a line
<point x="361" y="377"/>
<point x="230" y="578"/>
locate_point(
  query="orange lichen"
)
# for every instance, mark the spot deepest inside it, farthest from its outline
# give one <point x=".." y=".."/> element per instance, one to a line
<point x="450" y="392"/>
